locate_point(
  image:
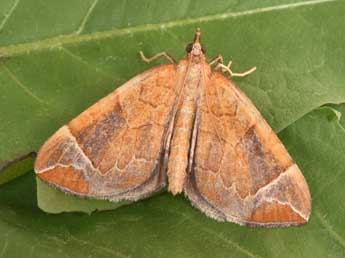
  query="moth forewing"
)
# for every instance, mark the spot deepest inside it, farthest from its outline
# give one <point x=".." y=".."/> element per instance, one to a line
<point x="114" y="149"/>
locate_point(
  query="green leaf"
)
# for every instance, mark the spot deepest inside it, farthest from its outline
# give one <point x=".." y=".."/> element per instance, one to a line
<point x="54" y="201"/>
<point x="167" y="226"/>
<point x="16" y="168"/>
<point x="60" y="57"/>
<point x="341" y="109"/>
<point x="56" y="59"/>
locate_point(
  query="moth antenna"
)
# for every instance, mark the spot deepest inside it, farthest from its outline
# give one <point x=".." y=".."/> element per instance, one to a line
<point x="197" y="36"/>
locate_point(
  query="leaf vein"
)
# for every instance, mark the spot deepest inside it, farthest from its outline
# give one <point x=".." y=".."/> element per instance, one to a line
<point x="9" y="14"/>
<point x="6" y="242"/>
<point x="103" y="248"/>
<point x="329" y="228"/>
<point x="21" y="85"/>
<point x="57" y="41"/>
<point x="240" y="248"/>
<point x="4" y="248"/>
<point x="82" y="61"/>
<point x="86" y="17"/>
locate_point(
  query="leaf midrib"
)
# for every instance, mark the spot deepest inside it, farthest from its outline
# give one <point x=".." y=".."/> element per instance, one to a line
<point x="76" y="37"/>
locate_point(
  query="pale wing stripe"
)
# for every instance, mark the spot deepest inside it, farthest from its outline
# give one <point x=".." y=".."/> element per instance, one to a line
<point x="81" y="152"/>
<point x="286" y="203"/>
<point x="274" y="181"/>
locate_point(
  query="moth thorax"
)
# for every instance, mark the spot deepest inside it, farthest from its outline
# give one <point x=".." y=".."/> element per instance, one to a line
<point x="196" y="50"/>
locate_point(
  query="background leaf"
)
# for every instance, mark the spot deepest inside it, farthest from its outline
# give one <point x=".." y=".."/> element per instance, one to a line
<point x="57" y="58"/>
<point x="54" y="201"/>
<point x="74" y="52"/>
<point x="164" y="226"/>
<point x="16" y="167"/>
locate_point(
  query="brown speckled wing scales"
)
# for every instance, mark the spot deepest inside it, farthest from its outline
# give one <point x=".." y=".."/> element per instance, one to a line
<point x="114" y="150"/>
<point x="241" y="172"/>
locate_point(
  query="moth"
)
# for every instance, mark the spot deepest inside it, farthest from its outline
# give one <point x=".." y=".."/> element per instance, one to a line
<point x="184" y="126"/>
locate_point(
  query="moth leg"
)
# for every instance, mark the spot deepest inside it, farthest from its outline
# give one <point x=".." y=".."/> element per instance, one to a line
<point x="159" y="55"/>
<point x="217" y="59"/>
<point x="226" y="68"/>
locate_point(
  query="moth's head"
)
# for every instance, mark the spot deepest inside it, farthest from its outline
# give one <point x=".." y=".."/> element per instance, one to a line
<point x="196" y="48"/>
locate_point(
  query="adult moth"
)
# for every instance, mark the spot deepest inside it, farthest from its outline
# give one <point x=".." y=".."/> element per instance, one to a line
<point x="186" y="126"/>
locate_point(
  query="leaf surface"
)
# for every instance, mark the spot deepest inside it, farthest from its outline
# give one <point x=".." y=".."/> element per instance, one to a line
<point x="56" y="59"/>
<point x="59" y="58"/>
<point x="164" y="226"/>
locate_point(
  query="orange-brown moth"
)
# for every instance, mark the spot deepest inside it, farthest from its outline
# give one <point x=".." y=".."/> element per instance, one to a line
<point x="187" y="126"/>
